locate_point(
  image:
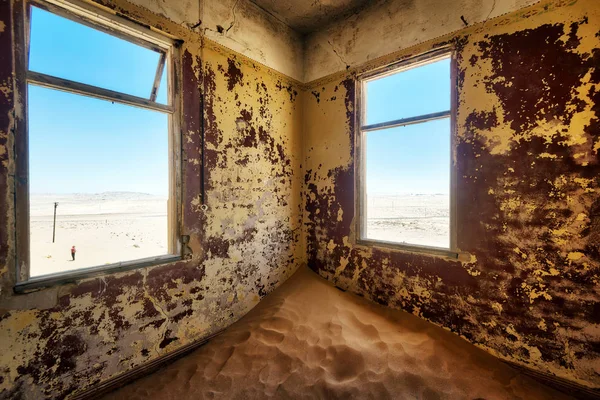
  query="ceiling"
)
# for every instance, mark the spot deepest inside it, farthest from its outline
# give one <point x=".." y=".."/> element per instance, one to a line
<point x="307" y="16"/>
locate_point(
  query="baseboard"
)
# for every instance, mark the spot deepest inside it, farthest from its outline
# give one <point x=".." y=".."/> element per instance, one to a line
<point x="562" y="385"/>
<point x="109" y="385"/>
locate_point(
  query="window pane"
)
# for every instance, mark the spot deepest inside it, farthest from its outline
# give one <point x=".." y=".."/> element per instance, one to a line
<point x="408" y="184"/>
<point x="107" y="167"/>
<point x="70" y="50"/>
<point x="161" y="96"/>
<point x="417" y="91"/>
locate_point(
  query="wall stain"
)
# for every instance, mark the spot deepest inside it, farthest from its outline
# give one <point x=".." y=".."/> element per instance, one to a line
<point x="238" y="250"/>
<point x="528" y="194"/>
<point x="234" y="75"/>
<point x="529" y="212"/>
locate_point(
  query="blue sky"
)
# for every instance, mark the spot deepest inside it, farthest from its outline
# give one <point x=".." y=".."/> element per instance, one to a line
<point x="80" y="144"/>
<point x="84" y="145"/>
<point x="411" y="159"/>
<point x="414" y="158"/>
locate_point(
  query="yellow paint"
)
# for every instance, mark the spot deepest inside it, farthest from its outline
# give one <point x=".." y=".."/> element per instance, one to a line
<point x="498" y="307"/>
<point x="536" y="292"/>
<point x="473" y="272"/>
<point x="511" y="204"/>
<point x="317" y="135"/>
<point x="6" y="89"/>
<point x="517" y="224"/>
<point x="575" y="255"/>
<point x="331" y="246"/>
<point x="510" y="329"/>
<point x="521" y="253"/>
<point x="585" y="184"/>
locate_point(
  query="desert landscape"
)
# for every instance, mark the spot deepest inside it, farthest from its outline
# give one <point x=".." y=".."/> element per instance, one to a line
<point x="110" y="227"/>
<point x="421" y="219"/>
<point x="105" y="228"/>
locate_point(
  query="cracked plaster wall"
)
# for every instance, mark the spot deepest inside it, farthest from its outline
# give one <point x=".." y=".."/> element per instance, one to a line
<point x="386" y="26"/>
<point x="528" y="193"/>
<point x="528" y="206"/>
<point x="372" y="31"/>
<point x="239" y="25"/>
<point x="65" y="338"/>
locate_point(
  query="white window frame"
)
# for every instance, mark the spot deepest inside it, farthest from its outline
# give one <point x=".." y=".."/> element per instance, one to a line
<point x="362" y="128"/>
<point x="105" y="21"/>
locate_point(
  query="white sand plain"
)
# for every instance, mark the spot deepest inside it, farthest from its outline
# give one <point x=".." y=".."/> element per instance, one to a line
<point x="105" y="228"/>
<point x="421" y="219"/>
<point x="308" y="340"/>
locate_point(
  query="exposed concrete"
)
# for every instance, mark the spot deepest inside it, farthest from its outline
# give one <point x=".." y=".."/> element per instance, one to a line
<point x="528" y="193"/>
<point x="309" y="16"/>
<point x="239" y="25"/>
<point x="386" y="26"/>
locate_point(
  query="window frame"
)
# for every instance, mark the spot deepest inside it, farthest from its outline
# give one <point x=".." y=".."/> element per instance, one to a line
<point x="361" y="129"/>
<point x="125" y="29"/>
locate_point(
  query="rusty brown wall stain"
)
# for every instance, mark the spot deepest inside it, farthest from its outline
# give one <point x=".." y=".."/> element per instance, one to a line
<point x="192" y="139"/>
<point x="528" y="193"/>
<point x="529" y="211"/>
<point x="239" y="250"/>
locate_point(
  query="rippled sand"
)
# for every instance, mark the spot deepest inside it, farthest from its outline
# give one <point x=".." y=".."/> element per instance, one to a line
<point x="309" y="340"/>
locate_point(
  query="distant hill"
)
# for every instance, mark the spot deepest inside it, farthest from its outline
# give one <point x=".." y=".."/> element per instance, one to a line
<point x="42" y="204"/>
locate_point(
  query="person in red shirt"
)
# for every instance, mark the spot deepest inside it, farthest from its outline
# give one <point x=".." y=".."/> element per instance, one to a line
<point x="73" y="251"/>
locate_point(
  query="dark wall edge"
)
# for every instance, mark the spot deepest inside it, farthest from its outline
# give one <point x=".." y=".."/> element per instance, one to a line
<point x="116" y="382"/>
<point x="571" y="388"/>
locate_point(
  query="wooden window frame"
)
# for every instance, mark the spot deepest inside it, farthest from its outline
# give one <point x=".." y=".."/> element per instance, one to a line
<point x="360" y="148"/>
<point x="105" y="21"/>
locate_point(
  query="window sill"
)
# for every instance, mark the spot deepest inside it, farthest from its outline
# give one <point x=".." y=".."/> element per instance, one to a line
<point x="411" y="248"/>
<point x="61" y="278"/>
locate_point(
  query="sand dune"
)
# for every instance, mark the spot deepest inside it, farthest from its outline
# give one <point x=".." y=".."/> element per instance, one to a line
<point x="309" y="340"/>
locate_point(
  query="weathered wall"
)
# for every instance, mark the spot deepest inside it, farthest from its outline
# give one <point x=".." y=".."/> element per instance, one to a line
<point x="386" y="26"/>
<point x="310" y="16"/>
<point x="254" y="33"/>
<point x="239" y="25"/>
<point x="528" y="193"/>
<point x="67" y="337"/>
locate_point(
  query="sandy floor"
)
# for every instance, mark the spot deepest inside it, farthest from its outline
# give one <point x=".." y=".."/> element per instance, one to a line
<point x="309" y="340"/>
<point x="105" y="228"/>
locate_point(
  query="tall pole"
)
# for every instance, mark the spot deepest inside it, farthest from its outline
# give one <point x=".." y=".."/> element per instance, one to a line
<point x="54" y="225"/>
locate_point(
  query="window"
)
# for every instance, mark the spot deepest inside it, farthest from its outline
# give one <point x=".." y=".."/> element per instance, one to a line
<point x="98" y="147"/>
<point x="405" y="174"/>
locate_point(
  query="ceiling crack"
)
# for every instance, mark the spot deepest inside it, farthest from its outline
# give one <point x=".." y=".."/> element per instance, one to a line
<point x="338" y="54"/>
<point x="491" y="11"/>
<point x="234" y="16"/>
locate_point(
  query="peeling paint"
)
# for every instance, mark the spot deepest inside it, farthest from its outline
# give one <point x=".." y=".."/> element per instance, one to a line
<point x="527" y="191"/>
<point x="236" y="252"/>
<point x="528" y="161"/>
